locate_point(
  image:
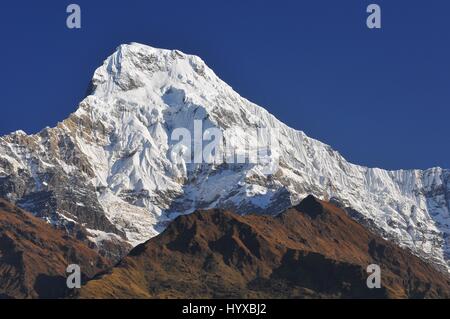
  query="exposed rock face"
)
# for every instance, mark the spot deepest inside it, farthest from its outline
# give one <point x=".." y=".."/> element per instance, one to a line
<point x="34" y="256"/>
<point x="311" y="251"/>
<point x="110" y="167"/>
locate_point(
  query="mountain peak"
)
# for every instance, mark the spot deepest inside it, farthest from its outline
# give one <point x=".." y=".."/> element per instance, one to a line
<point x="136" y="66"/>
<point x="114" y="159"/>
<point x="219" y="254"/>
<point x="311" y="206"/>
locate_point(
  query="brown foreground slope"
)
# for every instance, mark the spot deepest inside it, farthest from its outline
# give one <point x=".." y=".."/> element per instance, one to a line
<point x="34" y="256"/>
<point x="311" y="251"/>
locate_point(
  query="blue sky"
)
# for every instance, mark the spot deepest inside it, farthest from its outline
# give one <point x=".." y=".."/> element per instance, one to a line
<point x="380" y="97"/>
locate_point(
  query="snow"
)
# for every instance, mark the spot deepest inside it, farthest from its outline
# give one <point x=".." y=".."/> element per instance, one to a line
<point x="64" y="217"/>
<point x="142" y="94"/>
<point x="99" y="236"/>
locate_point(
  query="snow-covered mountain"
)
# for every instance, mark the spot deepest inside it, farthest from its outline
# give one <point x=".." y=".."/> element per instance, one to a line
<point x="113" y="166"/>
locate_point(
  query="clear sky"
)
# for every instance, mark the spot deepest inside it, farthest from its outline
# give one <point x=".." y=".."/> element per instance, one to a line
<point x="380" y="97"/>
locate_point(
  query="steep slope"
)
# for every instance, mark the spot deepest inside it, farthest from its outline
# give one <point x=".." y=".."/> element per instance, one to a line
<point x="116" y="165"/>
<point x="34" y="256"/>
<point x="313" y="250"/>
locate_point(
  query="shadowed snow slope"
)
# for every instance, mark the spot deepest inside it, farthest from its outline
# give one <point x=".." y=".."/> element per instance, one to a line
<point x="110" y="165"/>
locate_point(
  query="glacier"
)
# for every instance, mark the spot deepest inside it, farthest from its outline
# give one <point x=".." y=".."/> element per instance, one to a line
<point x="108" y="166"/>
